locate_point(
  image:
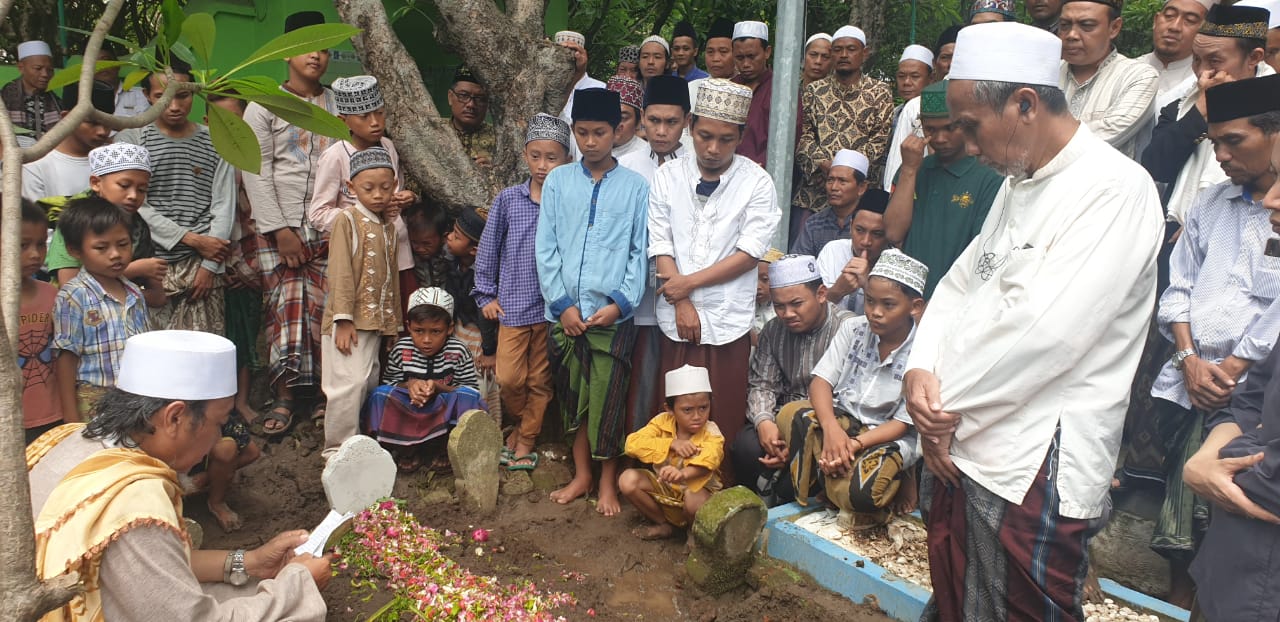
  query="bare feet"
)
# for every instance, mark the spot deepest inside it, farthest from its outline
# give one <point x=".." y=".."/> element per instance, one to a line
<point x="608" y="504"/>
<point x="660" y="531"/>
<point x="247" y="413"/>
<point x="908" y="497"/>
<point x="227" y="519"/>
<point x="574" y="489"/>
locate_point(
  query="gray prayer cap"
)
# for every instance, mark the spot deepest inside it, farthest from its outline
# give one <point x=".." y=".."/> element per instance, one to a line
<point x="373" y="157"/>
<point x="357" y="95"/>
<point x="547" y="127"/>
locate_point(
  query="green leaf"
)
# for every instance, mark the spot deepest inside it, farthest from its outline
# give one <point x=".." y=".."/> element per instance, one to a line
<point x="183" y="52"/>
<point x="234" y="140"/>
<point x="71" y="74"/>
<point x="313" y="118"/>
<point x="134" y="79"/>
<point x="199" y="31"/>
<point x="172" y="21"/>
<point x="255" y="84"/>
<point x="301" y="41"/>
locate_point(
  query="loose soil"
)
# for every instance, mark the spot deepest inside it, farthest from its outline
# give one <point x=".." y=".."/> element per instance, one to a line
<point x="567" y="548"/>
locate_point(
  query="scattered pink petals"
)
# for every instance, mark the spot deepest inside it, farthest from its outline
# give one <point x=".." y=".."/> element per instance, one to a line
<point x="480" y="535"/>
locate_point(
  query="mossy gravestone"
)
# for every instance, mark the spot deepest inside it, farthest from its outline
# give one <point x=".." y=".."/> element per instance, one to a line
<point x="473" y="452"/>
<point x="724" y="539"/>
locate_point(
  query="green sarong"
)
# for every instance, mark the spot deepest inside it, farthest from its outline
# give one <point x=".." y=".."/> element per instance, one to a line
<point x="594" y="374"/>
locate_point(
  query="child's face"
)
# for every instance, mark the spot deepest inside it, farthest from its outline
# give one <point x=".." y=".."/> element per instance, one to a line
<point x="429" y="336"/>
<point x="459" y="244"/>
<point x="106" y="256"/>
<point x="595" y="141"/>
<point x="369" y="127"/>
<point x="762" y="283"/>
<point x="33" y="247"/>
<point x="374" y="188"/>
<point x="425" y="242"/>
<point x="124" y="189"/>
<point x="691" y="411"/>
<point x="542" y="156"/>
<point x="889" y="311"/>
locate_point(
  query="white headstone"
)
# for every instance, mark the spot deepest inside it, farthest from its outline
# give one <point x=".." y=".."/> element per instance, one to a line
<point x="358" y="475"/>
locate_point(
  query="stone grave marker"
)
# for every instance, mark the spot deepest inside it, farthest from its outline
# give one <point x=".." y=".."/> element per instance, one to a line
<point x="473" y="452"/>
<point x="724" y="539"/>
<point x="358" y="475"/>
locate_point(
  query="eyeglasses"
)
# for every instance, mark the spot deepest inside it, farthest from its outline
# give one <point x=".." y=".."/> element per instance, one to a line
<point x="467" y="98"/>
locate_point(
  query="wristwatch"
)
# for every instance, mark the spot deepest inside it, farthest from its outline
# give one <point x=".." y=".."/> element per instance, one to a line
<point x="1180" y="357"/>
<point x="233" y="571"/>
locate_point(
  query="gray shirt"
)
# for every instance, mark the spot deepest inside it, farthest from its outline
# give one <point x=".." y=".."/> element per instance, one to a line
<point x="782" y="364"/>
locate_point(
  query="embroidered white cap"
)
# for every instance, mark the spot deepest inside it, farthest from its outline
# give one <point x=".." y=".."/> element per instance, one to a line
<point x="723" y="100"/>
<point x="793" y="270"/>
<point x="656" y="39"/>
<point x="688" y="379"/>
<point x="33" y="48"/>
<point x="356" y="95"/>
<point x="118" y="157"/>
<point x="433" y="296"/>
<point x="178" y="365"/>
<point x="569" y="36"/>
<point x="754" y="30"/>
<point x="852" y="159"/>
<point x="1272" y="6"/>
<point x="850" y="31"/>
<point x="821" y="36"/>
<point x="896" y="265"/>
<point x="917" y="52"/>
<point x="1007" y="52"/>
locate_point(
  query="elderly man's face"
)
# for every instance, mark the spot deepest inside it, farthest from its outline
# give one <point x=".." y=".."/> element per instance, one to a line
<point x="989" y="134"/>
<point x="36" y="71"/>
<point x="817" y="60"/>
<point x="1087" y="30"/>
<point x="913" y="76"/>
<point x="1175" y="27"/>
<point x="1221" y="54"/>
<point x="469" y="103"/>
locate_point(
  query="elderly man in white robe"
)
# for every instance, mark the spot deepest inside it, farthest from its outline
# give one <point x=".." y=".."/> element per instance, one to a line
<point x="108" y="504"/>
<point x="1020" y="371"/>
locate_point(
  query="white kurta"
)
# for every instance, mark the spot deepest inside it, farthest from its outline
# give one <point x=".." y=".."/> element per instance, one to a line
<point x="908" y="123"/>
<point x="1173" y="78"/>
<point x="1117" y="103"/>
<point x="643" y="161"/>
<point x="1052" y="339"/>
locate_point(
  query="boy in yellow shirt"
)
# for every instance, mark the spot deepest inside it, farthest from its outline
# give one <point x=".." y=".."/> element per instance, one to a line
<point x="684" y="448"/>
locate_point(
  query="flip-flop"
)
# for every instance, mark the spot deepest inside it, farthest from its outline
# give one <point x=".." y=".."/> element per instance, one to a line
<point x="526" y="462"/>
<point x="505" y="456"/>
<point x="272" y="415"/>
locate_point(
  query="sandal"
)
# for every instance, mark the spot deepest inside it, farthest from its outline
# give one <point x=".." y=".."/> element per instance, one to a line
<point x="281" y="412"/>
<point x="409" y="462"/>
<point x="526" y="462"/>
<point x="505" y="456"/>
<point x="318" y="413"/>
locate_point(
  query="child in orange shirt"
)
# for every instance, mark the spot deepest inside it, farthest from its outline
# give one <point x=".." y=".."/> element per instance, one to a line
<point x="684" y="448"/>
<point x="41" y="406"/>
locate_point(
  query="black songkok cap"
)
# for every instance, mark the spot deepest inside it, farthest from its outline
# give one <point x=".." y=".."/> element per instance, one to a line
<point x="668" y="90"/>
<point x="597" y="105"/>
<point x="948" y="36"/>
<point x="471" y="223"/>
<point x="1241" y="22"/>
<point x="1243" y="98"/>
<point x="302" y="19"/>
<point x="463" y="74"/>
<point x="685" y="29"/>
<point x="720" y="29"/>
<point x="874" y="200"/>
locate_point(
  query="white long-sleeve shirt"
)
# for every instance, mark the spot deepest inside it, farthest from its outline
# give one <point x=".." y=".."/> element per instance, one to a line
<point x="907" y="124"/>
<point x="741" y="214"/>
<point x="1049" y="342"/>
<point x="1117" y="103"/>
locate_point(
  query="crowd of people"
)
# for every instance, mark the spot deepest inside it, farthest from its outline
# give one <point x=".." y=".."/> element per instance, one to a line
<point x="1025" y="274"/>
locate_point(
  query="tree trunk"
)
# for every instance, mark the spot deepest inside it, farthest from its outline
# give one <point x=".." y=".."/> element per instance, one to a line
<point x="869" y="15"/>
<point x="524" y="72"/>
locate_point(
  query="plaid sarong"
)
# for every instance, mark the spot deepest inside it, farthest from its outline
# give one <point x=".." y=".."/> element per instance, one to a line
<point x="595" y="372"/>
<point x="294" y="302"/>
<point x="392" y="418"/>
<point x="181" y="312"/>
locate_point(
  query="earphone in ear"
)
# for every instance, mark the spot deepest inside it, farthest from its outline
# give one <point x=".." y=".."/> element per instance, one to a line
<point x="1024" y="106"/>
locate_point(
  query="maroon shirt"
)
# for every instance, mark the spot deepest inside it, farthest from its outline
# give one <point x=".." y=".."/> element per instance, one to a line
<point x="755" y="141"/>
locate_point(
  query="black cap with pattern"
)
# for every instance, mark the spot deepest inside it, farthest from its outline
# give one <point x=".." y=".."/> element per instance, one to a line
<point x="1241" y="22"/>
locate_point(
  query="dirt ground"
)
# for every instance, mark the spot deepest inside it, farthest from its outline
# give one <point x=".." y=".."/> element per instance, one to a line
<point x="531" y="537"/>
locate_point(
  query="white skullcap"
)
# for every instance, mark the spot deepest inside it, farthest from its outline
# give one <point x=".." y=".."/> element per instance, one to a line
<point x="1007" y="52"/>
<point x="820" y="36"/>
<point x="569" y="36"/>
<point x="755" y="30"/>
<point x="793" y="270"/>
<point x="723" y="100"/>
<point x="852" y="159"/>
<point x="178" y="365"/>
<point x="33" y="48"/>
<point x="118" y="157"/>
<point x="1272" y="6"/>
<point x="918" y="52"/>
<point x="433" y="296"/>
<point x="896" y="265"/>
<point x="356" y="95"/>
<point x="657" y="39"/>
<point x="687" y="380"/>
<point x="850" y="31"/>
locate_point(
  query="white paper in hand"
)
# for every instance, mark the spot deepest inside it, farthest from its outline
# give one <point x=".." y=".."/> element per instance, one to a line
<point x="320" y="535"/>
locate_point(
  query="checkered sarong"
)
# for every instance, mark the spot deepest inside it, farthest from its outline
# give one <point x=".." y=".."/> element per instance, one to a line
<point x="294" y="302"/>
